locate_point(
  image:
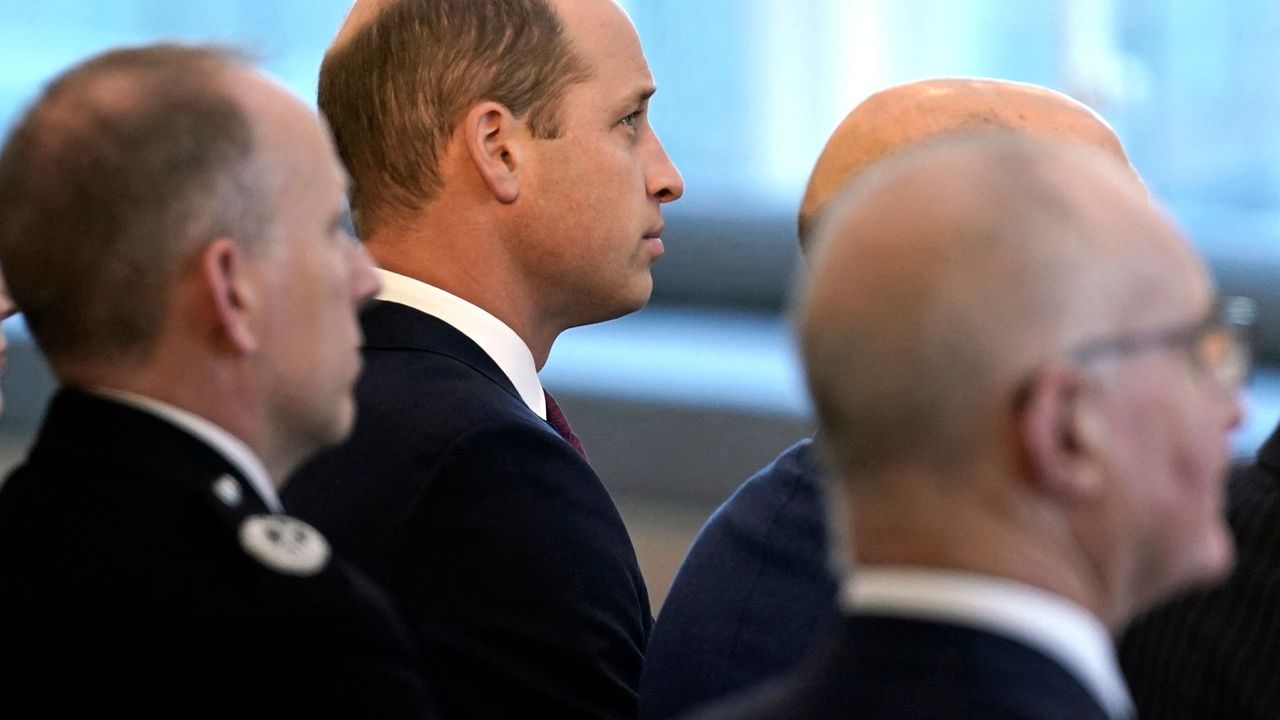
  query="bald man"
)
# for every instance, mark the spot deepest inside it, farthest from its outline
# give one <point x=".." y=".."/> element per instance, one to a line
<point x="756" y="586"/>
<point x="507" y="181"/>
<point x="1027" y="386"/>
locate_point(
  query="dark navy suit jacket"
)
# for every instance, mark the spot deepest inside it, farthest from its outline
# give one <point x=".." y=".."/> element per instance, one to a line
<point x="885" y="668"/>
<point x="497" y="538"/>
<point x="752" y="596"/>
<point x="1212" y="655"/>
<point x="126" y="589"/>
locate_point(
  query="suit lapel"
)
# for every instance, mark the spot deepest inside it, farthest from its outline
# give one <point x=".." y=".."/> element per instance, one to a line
<point x="391" y="326"/>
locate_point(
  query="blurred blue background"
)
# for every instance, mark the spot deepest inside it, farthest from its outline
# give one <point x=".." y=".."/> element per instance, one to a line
<point x="679" y="402"/>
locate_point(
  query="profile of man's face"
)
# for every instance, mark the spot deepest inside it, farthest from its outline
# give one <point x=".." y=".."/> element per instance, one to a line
<point x="314" y="278"/>
<point x="597" y="190"/>
<point x="1169" y="447"/>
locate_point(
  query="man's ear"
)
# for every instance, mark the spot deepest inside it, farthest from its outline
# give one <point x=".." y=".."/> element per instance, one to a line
<point x="1062" y="432"/>
<point x="232" y="293"/>
<point x="492" y="136"/>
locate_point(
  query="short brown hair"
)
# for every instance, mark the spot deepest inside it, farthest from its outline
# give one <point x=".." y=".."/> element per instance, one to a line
<point x="395" y="92"/>
<point x="123" y="166"/>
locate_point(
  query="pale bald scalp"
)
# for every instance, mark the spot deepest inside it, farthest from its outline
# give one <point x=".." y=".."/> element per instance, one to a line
<point x="900" y="116"/>
<point x="945" y="275"/>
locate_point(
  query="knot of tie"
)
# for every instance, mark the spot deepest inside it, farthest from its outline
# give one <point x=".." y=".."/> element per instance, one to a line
<point x="555" y="416"/>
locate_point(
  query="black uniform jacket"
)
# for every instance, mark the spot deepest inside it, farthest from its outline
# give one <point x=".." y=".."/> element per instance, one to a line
<point x="142" y="576"/>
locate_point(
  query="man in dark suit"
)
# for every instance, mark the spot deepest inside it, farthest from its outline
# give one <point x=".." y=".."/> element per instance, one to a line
<point x="757" y="588"/>
<point x="172" y="233"/>
<point x="1210" y="655"/>
<point x="1026" y="390"/>
<point x="508" y="182"/>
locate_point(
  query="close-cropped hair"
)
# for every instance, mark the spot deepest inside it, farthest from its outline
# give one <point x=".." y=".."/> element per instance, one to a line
<point x="395" y="92"/>
<point x="120" y="170"/>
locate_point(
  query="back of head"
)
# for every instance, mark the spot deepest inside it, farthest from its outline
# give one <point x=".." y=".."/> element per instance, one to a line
<point x="952" y="270"/>
<point x="896" y="118"/>
<point x="124" y="164"/>
<point x="1021" y="371"/>
<point x="402" y="72"/>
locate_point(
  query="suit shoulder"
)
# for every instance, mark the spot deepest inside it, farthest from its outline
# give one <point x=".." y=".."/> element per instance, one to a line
<point x="425" y="393"/>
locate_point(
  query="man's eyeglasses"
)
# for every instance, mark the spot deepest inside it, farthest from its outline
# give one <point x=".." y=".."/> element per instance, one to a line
<point x="1219" y="345"/>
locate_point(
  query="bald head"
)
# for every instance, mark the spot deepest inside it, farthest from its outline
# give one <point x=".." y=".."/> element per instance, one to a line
<point x="898" y="117"/>
<point x="947" y="274"/>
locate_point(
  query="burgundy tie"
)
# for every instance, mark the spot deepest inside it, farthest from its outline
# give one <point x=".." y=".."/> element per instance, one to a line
<point x="556" y="417"/>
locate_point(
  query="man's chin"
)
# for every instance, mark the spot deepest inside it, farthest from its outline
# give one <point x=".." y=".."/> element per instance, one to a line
<point x="1222" y="556"/>
<point x="1217" y="558"/>
<point x="619" y="306"/>
<point x="340" y="425"/>
<point x="1199" y="568"/>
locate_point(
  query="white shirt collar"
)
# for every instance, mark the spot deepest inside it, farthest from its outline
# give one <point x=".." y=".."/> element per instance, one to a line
<point x="498" y="341"/>
<point x="1043" y="620"/>
<point x="226" y="444"/>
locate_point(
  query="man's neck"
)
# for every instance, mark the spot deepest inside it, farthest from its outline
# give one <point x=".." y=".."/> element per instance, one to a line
<point x="480" y="277"/>
<point x="223" y="397"/>
<point x="958" y="531"/>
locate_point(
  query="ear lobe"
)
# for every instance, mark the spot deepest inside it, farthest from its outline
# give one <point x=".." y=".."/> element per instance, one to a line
<point x="491" y="134"/>
<point x="232" y="294"/>
<point x="1061" y="433"/>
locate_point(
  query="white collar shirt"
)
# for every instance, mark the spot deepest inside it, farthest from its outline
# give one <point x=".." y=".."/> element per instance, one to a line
<point x="495" y="338"/>
<point x="1042" y="620"/>
<point x="224" y="443"/>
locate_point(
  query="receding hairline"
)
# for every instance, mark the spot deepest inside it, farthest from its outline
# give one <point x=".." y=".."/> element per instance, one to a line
<point x="403" y="73"/>
<point x="166" y="122"/>
<point x="360" y="17"/>
<point x="119" y="81"/>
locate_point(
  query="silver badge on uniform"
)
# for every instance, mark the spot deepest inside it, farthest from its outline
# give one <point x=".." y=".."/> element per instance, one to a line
<point x="284" y="544"/>
<point x="227" y="490"/>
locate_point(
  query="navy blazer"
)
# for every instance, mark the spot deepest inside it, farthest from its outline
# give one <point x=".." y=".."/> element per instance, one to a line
<point x="128" y="589"/>
<point x="886" y="668"/>
<point x="753" y="594"/>
<point x="498" y="539"/>
<point x="1212" y="654"/>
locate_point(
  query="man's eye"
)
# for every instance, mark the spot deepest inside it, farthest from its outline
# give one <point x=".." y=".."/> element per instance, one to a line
<point x="631" y="120"/>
